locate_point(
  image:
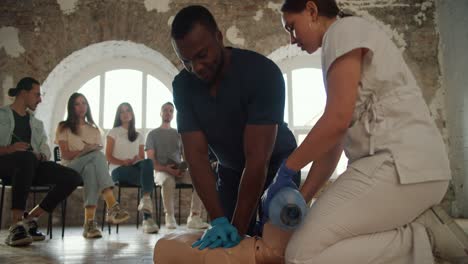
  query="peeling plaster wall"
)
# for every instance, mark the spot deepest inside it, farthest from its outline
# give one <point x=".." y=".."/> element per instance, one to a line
<point x="36" y="36"/>
<point x="9" y="41"/>
<point x="67" y="6"/>
<point x="158" y="5"/>
<point x="452" y="23"/>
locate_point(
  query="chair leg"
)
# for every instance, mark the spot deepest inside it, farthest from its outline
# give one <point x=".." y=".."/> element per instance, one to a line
<point x="160" y="206"/>
<point x="1" y="204"/>
<point x="180" y="190"/>
<point x="49" y="224"/>
<point x="138" y="203"/>
<point x="118" y="200"/>
<point x="155" y="204"/>
<point x="64" y="208"/>
<point x="103" y="216"/>
<point x="108" y="226"/>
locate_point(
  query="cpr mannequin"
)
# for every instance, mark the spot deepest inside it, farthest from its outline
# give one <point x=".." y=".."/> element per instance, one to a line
<point x="176" y="248"/>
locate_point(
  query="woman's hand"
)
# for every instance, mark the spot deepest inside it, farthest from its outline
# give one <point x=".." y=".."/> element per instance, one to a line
<point x="128" y="162"/>
<point x="135" y="159"/>
<point x="87" y="148"/>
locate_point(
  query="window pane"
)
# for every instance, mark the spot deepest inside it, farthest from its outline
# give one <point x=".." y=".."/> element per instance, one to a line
<point x="122" y="86"/>
<point x="286" y="103"/>
<point x="91" y="90"/>
<point x="157" y="95"/>
<point x="340" y="168"/>
<point x="308" y="96"/>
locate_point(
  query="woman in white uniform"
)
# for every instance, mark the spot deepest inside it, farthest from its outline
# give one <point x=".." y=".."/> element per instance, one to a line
<point x="382" y="208"/>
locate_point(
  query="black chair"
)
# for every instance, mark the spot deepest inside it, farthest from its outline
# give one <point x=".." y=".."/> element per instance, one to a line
<point x="58" y="158"/>
<point x="158" y="204"/>
<point x="34" y="190"/>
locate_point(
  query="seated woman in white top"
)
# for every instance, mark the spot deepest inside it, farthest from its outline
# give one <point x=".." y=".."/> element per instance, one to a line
<point x="80" y="143"/>
<point x="126" y="156"/>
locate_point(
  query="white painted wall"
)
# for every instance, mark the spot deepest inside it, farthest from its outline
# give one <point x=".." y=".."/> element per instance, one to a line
<point x="452" y="23"/>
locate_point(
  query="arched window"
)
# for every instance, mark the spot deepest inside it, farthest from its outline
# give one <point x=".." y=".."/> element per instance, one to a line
<point x="144" y="92"/>
<point x="109" y="73"/>
<point x="305" y="95"/>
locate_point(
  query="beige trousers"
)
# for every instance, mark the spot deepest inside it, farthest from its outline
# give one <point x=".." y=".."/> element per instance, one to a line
<point x="367" y="219"/>
<point x="168" y="184"/>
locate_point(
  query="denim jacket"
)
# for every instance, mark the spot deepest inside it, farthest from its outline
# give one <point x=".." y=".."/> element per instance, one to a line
<point x="38" y="135"/>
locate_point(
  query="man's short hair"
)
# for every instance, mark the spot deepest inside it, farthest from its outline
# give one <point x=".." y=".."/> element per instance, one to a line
<point x="188" y="17"/>
<point x="168" y="103"/>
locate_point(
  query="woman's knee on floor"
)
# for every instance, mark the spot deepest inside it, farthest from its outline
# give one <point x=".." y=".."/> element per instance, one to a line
<point x="310" y="240"/>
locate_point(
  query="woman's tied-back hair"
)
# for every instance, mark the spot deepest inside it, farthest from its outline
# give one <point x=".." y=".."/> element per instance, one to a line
<point x="327" y="8"/>
<point x="132" y="133"/>
<point x="24" y="84"/>
<point x="188" y="17"/>
<point x="72" y="120"/>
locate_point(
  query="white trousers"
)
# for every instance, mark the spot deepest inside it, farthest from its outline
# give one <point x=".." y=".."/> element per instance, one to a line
<point x="367" y="219"/>
<point x="168" y="184"/>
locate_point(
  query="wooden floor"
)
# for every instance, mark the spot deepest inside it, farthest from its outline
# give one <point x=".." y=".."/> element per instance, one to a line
<point x="128" y="246"/>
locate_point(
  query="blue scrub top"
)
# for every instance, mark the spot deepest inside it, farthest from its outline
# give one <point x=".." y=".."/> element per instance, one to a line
<point x="251" y="92"/>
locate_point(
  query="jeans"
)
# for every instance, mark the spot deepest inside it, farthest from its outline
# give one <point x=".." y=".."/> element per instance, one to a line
<point x="140" y="174"/>
<point x="94" y="171"/>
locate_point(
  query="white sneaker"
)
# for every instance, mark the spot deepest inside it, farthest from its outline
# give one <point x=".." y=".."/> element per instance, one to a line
<point x="448" y="239"/>
<point x="171" y="222"/>
<point x="195" y="222"/>
<point x="146" y="205"/>
<point x="149" y="226"/>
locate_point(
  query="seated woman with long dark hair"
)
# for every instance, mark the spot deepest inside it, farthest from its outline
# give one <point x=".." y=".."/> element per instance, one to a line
<point x="80" y="143"/>
<point x="126" y="155"/>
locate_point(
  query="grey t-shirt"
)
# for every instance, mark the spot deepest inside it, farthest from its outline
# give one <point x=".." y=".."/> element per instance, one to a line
<point x="166" y="144"/>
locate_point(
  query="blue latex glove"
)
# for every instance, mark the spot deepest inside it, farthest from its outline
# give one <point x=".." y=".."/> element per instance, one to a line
<point x="284" y="178"/>
<point x="221" y="234"/>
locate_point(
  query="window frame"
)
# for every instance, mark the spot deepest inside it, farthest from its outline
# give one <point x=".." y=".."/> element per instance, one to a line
<point x="287" y="66"/>
<point x="160" y="72"/>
